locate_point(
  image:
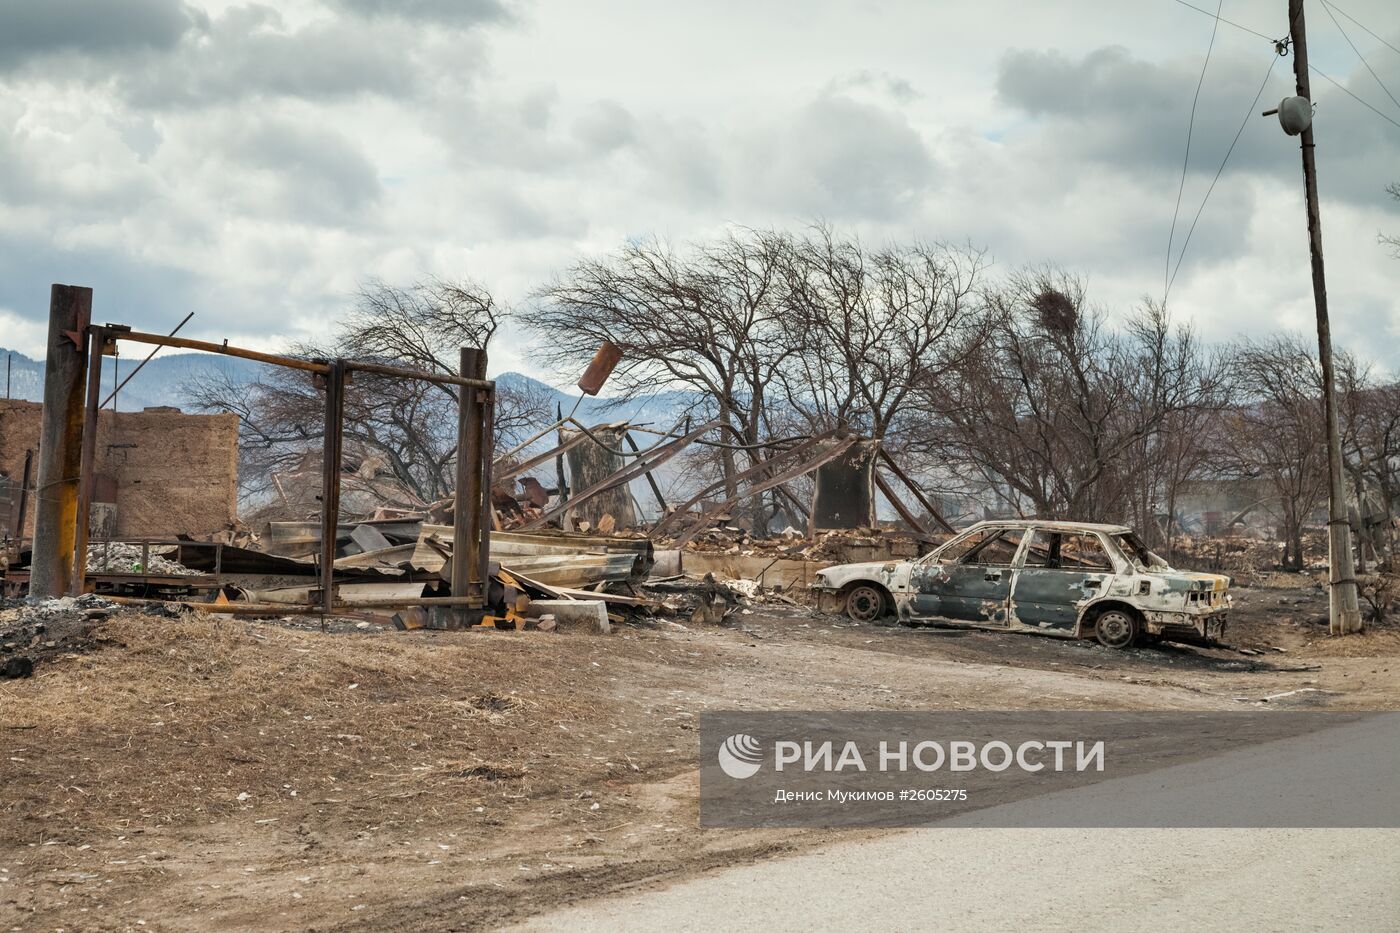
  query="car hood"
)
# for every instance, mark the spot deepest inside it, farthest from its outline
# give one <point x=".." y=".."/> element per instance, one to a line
<point x="879" y="570"/>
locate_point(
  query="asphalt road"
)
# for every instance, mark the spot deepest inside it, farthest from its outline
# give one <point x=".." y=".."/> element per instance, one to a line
<point x="986" y="878"/>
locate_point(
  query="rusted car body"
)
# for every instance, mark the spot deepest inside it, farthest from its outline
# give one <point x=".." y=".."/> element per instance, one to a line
<point x="1072" y="579"/>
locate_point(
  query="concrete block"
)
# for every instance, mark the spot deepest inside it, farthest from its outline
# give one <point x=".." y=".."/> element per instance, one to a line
<point x="590" y="615"/>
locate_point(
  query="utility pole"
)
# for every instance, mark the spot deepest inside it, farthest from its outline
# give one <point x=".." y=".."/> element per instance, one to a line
<point x="1344" y="610"/>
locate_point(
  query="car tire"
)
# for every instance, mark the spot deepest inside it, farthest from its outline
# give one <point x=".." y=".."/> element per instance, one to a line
<point x="866" y="603"/>
<point x="1116" y="628"/>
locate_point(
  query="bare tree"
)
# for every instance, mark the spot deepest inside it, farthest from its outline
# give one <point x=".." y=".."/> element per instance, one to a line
<point x="1276" y="433"/>
<point x="1370" y="428"/>
<point x="1061" y="416"/>
<point x="707" y="318"/>
<point x="869" y="326"/>
<point x="400" y="434"/>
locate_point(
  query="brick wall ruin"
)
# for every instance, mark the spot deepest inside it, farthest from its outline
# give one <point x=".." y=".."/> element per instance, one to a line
<point x="169" y="472"/>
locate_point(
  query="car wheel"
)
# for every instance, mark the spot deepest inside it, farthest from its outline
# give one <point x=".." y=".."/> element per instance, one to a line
<point x="1116" y="628"/>
<point x="865" y="603"/>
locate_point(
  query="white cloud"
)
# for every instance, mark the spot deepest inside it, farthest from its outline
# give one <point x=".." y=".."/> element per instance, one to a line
<point x="254" y="164"/>
<point x="23" y="333"/>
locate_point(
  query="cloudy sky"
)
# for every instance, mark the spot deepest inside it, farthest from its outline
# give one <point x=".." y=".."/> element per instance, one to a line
<point x="253" y="162"/>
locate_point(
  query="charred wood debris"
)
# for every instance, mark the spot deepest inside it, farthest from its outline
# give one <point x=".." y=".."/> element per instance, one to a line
<point x="549" y="548"/>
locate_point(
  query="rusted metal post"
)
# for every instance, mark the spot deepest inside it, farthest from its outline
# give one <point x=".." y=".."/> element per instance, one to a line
<point x="20" y="506"/>
<point x="97" y="338"/>
<point x="331" y="450"/>
<point x="60" y="440"/>
<point x="651" y="480"/>
<point x="561" y="482"/>
<point x="469" y="527"/>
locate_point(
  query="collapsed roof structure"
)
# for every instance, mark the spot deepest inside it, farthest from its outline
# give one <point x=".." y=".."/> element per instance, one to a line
<point x="502" y="535"/>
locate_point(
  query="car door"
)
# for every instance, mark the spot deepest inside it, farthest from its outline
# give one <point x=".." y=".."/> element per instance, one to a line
<point x="973" y="583"/>
<point x="1059" y="571"/>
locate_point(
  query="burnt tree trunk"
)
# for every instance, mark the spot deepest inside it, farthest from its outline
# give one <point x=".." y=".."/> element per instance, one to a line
<point x="590" y="464"/>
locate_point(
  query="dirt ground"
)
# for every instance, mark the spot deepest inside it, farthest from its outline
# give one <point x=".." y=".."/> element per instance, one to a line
<point x="188" y="772"/>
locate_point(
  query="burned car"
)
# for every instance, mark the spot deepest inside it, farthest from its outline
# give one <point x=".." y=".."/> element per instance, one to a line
<point x="1073" y="579"/>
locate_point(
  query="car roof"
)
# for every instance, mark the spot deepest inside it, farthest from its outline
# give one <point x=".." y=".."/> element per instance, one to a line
<point x="1050" y="525"/>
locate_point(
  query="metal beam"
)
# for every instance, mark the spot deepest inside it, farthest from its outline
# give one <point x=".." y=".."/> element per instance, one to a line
<point x="141" y="365"/>
<point x="487" y="403"/>
<point x="651" y="480"/>
<point x="648" y="461"/>
<point x="184" y="343"/>
<point x="403" y="372"/>
<point x="918" y="493"/>
<point x="87" y="465"/>
<point x="909" y="518"/>
<point x="541" y="458"/>
<point x="757" y="469"/>
<point x="20" y="506"/>
<point x="700" y="522"/>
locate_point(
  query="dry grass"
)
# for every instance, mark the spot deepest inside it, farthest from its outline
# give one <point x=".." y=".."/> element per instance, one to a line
<point x="192" y="720"/>
<point x="1382" y="643"/>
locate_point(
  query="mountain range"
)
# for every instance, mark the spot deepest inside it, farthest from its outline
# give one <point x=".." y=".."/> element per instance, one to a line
<point x="163" y="382"/>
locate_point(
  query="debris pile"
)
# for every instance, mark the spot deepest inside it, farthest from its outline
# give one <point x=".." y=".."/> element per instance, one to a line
<point x="713" y="600"/>
<point x="1243" y="555"/>
<point x="120" y="557"/>
<point x="32" y="632"/>
<point x="839" y="546"/>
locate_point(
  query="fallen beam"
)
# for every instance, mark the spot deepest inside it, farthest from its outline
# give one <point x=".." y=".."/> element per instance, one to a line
<point x="837" y="448"/>
<point x="918" y="493"/>
<point x="644" y="463"/>
<point x="756" y="470"/>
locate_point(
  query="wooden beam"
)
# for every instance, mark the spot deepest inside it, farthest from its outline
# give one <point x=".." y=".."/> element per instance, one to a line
<point x="60" y="442"/>
<point x="331" y="450"/>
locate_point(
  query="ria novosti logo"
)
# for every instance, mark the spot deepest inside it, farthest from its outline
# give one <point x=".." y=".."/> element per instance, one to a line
<point x="740" y="756"/>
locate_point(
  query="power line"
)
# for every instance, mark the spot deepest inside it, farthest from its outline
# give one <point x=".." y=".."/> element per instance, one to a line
<point x="1216" y="15"/>
<point x="1348" y="93"/>
<point x="1328" y="7"/>
<point x="1281" y="45"/>
<point x="1186" y="159"/>
<point x="1363" y="26"/>
<point x="1218" y="172"/>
